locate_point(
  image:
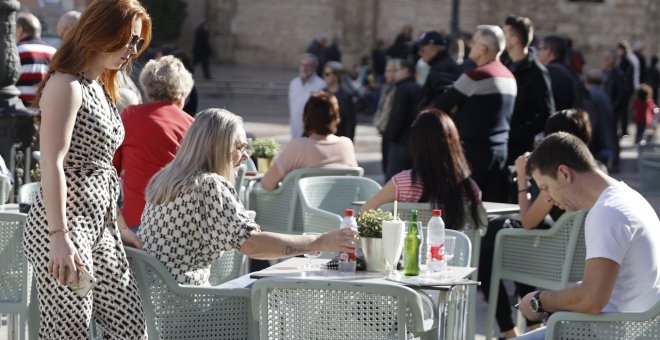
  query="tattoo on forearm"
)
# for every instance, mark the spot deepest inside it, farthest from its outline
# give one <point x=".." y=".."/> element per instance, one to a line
<point x="289" y="250"/>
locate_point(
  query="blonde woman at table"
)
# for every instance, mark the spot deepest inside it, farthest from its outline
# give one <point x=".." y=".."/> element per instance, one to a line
<point x="193" y="214"/>
<point x="73" y="222"/>
<point x="534" y="214"/>
<point x="440" y="172"/>
<point x="319" y="147"/>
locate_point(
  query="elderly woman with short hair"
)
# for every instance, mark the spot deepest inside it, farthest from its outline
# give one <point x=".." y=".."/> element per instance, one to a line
<point x="153" y="131"/>
<point x="321" y="148"/>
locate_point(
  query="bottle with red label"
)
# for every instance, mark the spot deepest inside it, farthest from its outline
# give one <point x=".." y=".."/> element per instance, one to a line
<point x="435" y="242"/>
<point x="347" y="260"/>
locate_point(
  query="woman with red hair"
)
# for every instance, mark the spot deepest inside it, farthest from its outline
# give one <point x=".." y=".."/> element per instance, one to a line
<point x="72" y="226"/>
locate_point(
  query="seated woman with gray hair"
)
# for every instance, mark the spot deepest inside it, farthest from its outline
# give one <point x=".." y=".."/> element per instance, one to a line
<point x="193" y="213"/>
<point x="153" y="131"/>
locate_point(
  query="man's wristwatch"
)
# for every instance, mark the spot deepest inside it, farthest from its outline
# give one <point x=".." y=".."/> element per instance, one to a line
<point x="535" y="303"/>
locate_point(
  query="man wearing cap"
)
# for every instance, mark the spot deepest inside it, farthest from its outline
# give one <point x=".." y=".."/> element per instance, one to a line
<point x="444" y="70"/>
<point x="484" y="98"/>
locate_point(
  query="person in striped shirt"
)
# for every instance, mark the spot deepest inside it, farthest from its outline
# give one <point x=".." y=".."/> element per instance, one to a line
<point x="482" y="101"/>
<point x="34" y="53"/>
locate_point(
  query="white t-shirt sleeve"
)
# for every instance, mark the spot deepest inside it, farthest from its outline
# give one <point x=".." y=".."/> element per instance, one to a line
<point x="607" y="234"/>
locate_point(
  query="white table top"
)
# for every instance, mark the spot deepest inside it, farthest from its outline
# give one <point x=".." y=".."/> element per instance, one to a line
<point x="293" y="268"/>
<point x="11" y="207"/>
<point x="492" y="208"/>
<point x="497" y="208"/>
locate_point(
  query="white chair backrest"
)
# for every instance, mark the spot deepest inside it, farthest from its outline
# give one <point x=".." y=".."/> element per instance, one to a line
<point x="174" y="311"/>
<point x="15" y="271"/>
<point x="226" y="267"/>
<point x="280" y="210"/>
<point x="463" y="249"/>
<point x="27" y="193"/>
<point x="605" y="326"/>
<point x="332" y="195"/>
<point x="5" y="188"/>
<point x="548" y="259"/>
<point x="649" y="169"/>
<point x="309" y="309"/>
<point x="249" y="165"/>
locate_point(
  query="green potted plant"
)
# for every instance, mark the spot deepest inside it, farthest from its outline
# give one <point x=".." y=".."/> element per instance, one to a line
<point x="265" y="150"/>
<point x="36" y="173"/>
<point x="370" y="229"/>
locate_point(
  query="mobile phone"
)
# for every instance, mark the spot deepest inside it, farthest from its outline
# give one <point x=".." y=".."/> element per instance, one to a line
<point x="85" y="282"/>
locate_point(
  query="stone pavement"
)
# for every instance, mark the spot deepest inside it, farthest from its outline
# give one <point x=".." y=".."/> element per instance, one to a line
<point x="259" y="95"/>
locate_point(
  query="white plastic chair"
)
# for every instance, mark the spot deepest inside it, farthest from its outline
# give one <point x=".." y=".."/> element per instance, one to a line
<point x="474" y="230"/>
<point x="249" y="165"/>
<point x="15" y="273"/>
<point x="279" y="210"/>
<point x="308" y="309"/>
<point x="227" y="267"/>
<point x="549" y="259"/>
<point x="27" y="193"/>
<point x="5" y="188"/>
<point x="649" y="169"/>
<point x="324" y="199"/>
<point x="239" y="184"/>
<point x="176" y="311"/>
<point x="463" y="249"/>
<point x="606" y="326"/>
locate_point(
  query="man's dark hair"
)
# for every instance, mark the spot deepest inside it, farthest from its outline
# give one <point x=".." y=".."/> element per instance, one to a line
<point x="560" y="148"/>
<point x="522" y="27"/>
<point x="556" y="44"/>
<point x="321" y="114"/>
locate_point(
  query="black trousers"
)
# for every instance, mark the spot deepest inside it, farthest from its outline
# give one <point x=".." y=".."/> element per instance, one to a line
<point x="503" y="310"/>
<point x="489" y="171"/>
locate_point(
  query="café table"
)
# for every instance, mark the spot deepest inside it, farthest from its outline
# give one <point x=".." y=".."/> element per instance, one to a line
<point x="492" y="208"/>
<point x="452" y="284"/>
<point x="10" y="207"/>
<point x="497" y="208"/>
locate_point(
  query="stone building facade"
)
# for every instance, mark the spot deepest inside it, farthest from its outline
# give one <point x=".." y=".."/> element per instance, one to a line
<point x="276" y="32"/>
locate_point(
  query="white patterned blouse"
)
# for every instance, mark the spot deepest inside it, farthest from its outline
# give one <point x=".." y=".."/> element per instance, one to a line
<point x="189" y="232"/>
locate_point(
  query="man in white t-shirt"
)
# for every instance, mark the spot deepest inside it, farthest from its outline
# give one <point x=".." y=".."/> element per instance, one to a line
<point x="622" y="234"/>
<point x="300" y="88"/>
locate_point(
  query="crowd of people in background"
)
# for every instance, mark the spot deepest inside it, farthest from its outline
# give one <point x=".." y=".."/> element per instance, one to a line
<point x="550" y="75"/>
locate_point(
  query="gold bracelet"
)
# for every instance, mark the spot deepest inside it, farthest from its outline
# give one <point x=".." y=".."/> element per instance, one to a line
<point x="53" y="232"/>
<point x="522" y="190"/>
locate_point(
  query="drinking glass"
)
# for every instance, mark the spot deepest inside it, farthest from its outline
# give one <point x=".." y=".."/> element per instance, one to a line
<point x="393" y="236"/>
<point x="450" y="246"/>
<point x="311" y="255"/>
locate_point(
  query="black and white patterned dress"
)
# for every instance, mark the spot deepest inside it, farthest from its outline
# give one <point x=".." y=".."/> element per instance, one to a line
<point x="189" y="232"/>
<point x="92" y="189"/>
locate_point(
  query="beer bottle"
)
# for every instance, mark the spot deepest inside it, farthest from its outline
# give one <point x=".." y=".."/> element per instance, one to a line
<point x="411" y="247"/>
